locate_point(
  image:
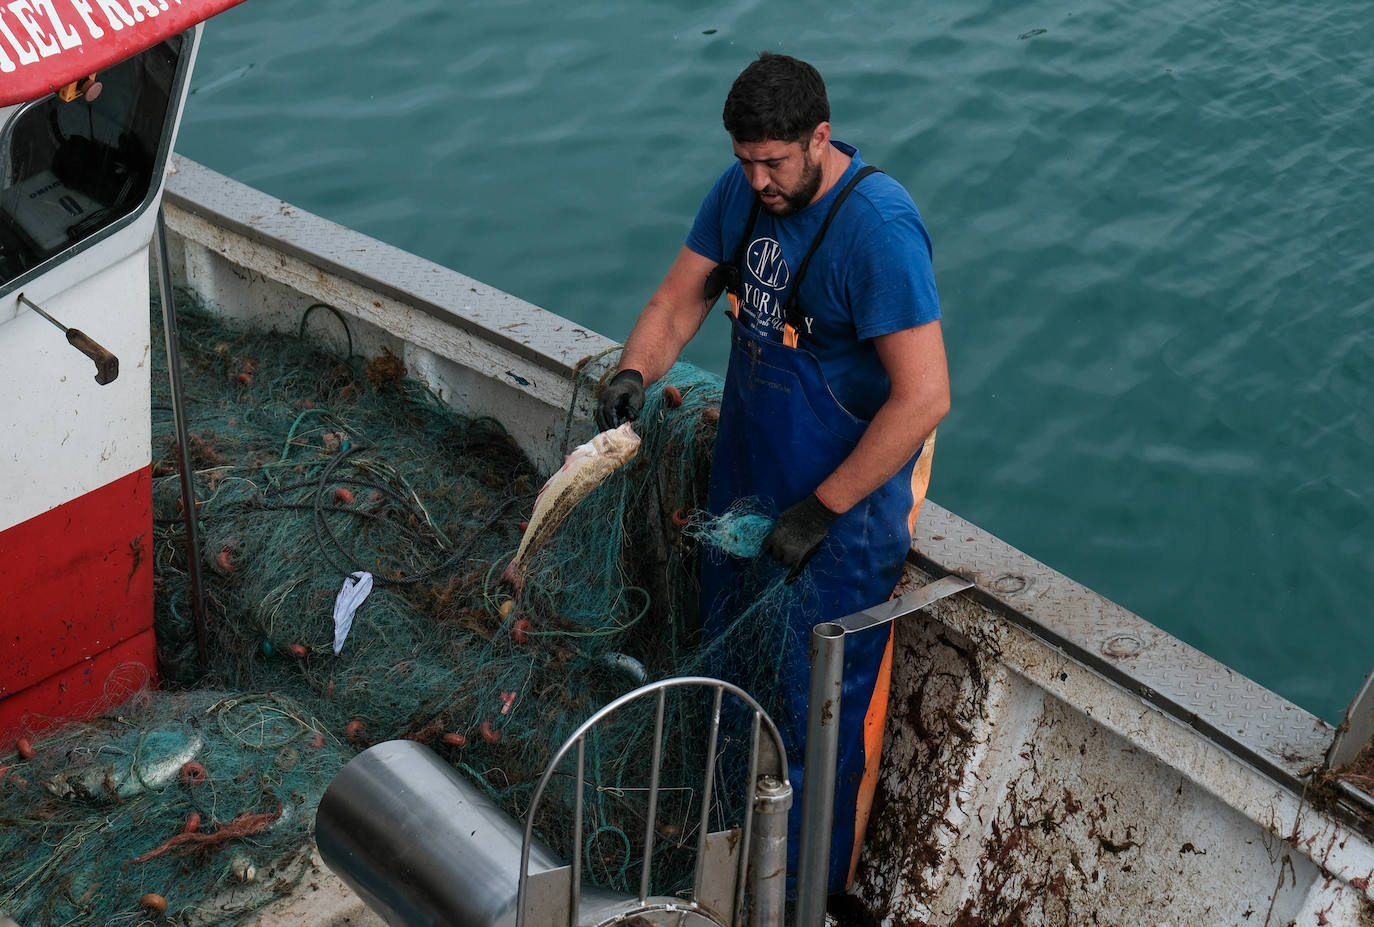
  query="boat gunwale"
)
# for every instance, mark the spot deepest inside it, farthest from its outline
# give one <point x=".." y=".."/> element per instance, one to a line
<point x="1255" y="724"/>
<point x="549" y="340"/>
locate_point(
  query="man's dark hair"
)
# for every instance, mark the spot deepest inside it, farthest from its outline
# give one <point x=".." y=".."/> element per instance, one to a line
<point x="777" y="98"/>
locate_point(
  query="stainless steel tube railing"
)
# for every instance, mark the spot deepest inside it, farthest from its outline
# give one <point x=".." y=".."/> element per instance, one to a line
<point x="774" y="759"/>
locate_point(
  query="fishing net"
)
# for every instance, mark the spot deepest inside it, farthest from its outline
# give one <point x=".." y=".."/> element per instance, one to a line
<point x="200" y="798"/>
<point x="314" y="472"/>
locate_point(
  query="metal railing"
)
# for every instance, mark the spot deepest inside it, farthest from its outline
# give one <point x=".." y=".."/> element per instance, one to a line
<point x="767" y="790"/>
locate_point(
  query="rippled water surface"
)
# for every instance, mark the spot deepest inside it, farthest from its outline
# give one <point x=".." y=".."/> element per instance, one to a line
<point x="1152" y="229"/>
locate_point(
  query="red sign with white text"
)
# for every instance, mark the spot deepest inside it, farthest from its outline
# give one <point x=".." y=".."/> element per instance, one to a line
<point x="47" y="44"/>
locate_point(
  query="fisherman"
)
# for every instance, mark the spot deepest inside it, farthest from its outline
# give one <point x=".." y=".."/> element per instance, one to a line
<point x="836" y="380"/>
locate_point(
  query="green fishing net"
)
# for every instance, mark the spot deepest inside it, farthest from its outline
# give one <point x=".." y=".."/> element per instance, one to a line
<point x="311" y="466"/>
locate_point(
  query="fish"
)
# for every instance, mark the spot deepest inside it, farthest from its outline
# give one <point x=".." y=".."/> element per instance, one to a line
<point x="584" y="469"/>
<point x="146" y="767"/>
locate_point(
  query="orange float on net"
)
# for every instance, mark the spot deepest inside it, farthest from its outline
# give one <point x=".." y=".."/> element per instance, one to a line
<point x="343" y="496"/>
<point x="154" y="904"/>
<point x="680" y="519"/>
<point x="24" y="747"/>
<point x="192" y="823"/>
<point x="193" y="774"/>
<point x="489" y="733"/>
<point x="672" y="397"/>
<point x="455" y="740"/>
<point x="519" y="631"/>
<point x="299" y="651"/>
<point x="354" y="731"/>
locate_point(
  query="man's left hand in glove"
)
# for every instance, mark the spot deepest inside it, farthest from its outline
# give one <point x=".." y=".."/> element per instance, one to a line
<point x="798" y="533"/>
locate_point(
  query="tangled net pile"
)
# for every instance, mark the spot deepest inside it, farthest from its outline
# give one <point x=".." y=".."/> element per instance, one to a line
<point x="309" y="466"/>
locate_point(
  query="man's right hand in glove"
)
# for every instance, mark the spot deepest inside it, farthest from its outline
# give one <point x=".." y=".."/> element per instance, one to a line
<point x="621" y="400"/>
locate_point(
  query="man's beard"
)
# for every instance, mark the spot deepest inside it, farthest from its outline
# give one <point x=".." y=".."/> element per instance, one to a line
<point x="801" y="197"/>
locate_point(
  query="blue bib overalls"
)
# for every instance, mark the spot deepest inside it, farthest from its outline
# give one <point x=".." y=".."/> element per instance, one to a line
<point x="781" y="433"/>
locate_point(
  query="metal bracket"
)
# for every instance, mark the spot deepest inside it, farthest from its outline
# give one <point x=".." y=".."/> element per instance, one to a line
<point x="1352" y="736"/>
<point x="905" y="605"/>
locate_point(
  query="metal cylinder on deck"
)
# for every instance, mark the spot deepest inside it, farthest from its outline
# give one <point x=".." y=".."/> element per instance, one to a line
<point x="768" y="882"/>
<point x="822" y="755"/>
<point x="419" y="843"/>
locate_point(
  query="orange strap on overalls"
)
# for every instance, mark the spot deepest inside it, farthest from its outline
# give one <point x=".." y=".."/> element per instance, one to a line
<point x="875" y="719"/>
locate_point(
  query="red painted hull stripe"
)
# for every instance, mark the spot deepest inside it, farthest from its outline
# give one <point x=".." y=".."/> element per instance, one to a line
<point x="80" y="584"/>
<point x="89" y="688"/>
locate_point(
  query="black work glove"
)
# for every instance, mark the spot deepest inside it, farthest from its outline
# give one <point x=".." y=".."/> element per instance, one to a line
<point x="798" y="533"/>
<point x="621" y="400"/>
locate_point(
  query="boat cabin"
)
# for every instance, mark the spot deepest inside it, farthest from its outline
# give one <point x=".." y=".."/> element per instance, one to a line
<point x="90" y="99"/>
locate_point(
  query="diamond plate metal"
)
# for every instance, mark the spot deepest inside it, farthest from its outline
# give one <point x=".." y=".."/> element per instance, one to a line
<point x="1266" y="730"/>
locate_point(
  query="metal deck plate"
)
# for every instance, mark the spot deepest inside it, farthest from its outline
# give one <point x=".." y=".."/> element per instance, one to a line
<point x="1273" y="734"/>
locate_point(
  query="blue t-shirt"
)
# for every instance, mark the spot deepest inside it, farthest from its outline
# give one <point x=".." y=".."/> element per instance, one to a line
<point x="871" y="275"/>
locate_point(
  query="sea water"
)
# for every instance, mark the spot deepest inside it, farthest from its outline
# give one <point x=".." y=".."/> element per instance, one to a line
<point x="1152" y="228"/>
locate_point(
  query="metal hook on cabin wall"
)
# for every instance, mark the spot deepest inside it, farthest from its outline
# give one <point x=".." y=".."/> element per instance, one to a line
<point x="106" y="364"/>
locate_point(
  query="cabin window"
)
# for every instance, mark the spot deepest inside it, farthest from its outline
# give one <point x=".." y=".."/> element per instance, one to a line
<point x="70" y="172"/>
